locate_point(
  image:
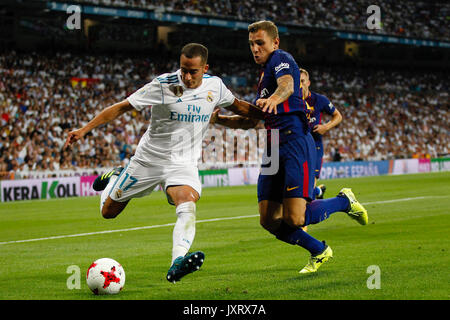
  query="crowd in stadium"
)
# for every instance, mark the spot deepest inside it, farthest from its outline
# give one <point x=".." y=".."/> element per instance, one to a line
<point x="387" y="115"/>
<point x="418" y="19"/>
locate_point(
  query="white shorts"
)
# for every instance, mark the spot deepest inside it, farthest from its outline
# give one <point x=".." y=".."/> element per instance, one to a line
<point x="137" y="180"/>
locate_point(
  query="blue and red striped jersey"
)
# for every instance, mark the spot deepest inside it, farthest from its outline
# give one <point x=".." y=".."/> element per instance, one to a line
<point x="317" y="104"/>
<point x="281" y="63"/>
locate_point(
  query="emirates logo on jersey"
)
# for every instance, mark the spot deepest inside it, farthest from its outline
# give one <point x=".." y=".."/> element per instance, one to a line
<point x="177" y="90"/>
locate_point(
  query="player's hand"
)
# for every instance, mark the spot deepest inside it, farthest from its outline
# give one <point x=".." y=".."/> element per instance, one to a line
<point x="73" y="137"/>
<point x="214" y="116"/>
<point x="267" y="105"/>
<point x="320" y="129"/>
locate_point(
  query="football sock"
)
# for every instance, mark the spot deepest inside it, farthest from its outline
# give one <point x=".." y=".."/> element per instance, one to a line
<point x="107" y="190"/>
<point x="184" y="230"/>
<point x="297" y="236"/>
<point x="319" y="210"/>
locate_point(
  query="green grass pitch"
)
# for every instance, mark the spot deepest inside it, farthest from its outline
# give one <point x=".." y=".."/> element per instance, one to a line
<point x="407" y="239"/>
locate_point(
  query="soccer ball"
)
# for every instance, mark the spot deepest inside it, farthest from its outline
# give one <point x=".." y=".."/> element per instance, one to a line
<point x="105" y="276"/>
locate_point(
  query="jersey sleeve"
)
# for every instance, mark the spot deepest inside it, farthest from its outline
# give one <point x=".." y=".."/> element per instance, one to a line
<point x="327" y="106"/>
<point x="226" y="97"/>
<point x="149" y="95"/>
<point x="282" y="65"/>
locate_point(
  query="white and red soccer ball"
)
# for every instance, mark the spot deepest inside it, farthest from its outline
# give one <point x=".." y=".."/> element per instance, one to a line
<point x="105" y="276"/>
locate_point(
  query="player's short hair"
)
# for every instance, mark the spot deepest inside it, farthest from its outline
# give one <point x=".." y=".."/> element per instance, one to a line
<point x="305" y="72"/>
<point x="268" y="26"/>
<point x="192" y="50"/>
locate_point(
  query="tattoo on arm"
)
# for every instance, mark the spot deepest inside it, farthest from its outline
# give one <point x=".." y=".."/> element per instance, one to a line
<point x="285" y="88"/>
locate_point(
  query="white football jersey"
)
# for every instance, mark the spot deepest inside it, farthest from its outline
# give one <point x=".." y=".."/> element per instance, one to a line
<point x="179" y="118"/>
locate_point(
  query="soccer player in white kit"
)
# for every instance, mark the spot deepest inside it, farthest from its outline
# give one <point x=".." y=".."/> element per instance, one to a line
<point x="167" y="154"/>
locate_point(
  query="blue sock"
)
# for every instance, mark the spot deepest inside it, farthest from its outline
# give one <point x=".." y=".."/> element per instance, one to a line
<point x="319" y="210"/>
<point x="299" y="237"/>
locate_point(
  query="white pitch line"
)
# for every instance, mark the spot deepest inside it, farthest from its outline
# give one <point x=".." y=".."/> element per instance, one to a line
<point x="404" y="199"/>
<point x="198" y="221"/>
<point x="121" y="230"/>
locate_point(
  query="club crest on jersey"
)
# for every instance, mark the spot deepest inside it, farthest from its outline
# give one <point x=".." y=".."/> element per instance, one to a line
<point x="177" y="90"/>
<point x="210" y="97"/>
<point x="118" y="193"/>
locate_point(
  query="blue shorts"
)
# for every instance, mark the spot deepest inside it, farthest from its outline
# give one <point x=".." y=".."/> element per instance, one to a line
<point x="295" y="176"/>
<point x="319" y="159"/>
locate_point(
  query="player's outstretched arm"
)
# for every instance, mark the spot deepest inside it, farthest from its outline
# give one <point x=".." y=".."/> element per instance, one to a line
<point x="245" y="109"/>
<point x="234" y="122"/>
<point x="107" y="115"/>
<point x="336" y="118"/>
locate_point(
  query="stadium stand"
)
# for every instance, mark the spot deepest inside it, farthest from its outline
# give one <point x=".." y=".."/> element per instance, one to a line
<point x="422" y="19"/>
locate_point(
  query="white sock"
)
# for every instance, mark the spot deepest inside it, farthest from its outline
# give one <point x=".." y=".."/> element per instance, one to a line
<point x="184" y="230"/>
<point x="106" y="191"/>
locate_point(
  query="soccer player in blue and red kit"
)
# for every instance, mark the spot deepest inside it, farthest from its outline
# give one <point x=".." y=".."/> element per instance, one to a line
<point x="285" y="197"/>
<point x="318" y="104"/>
